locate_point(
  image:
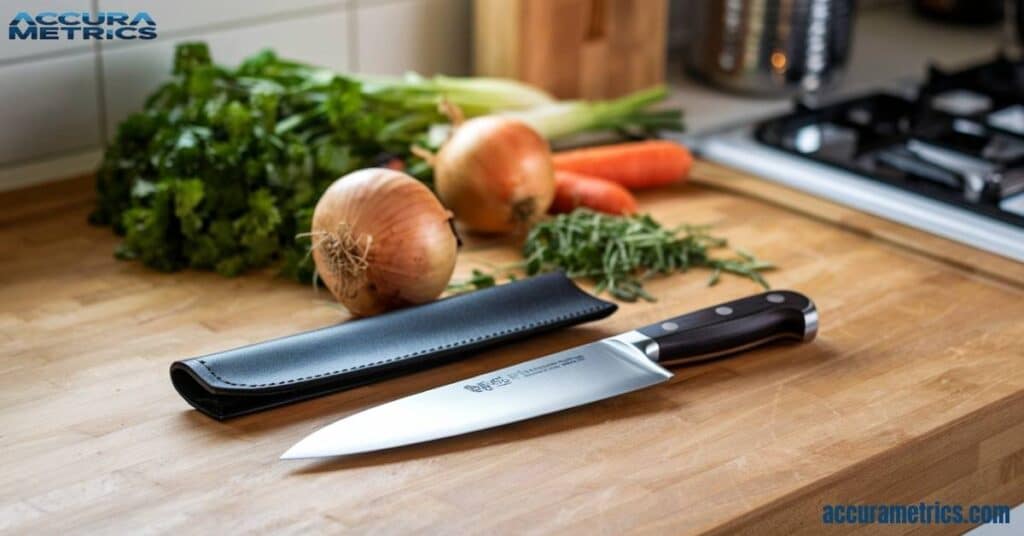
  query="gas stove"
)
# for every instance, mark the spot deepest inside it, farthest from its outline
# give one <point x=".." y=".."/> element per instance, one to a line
<point x="945" y="156"/>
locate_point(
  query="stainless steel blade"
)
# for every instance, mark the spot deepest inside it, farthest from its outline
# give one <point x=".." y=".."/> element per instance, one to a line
<point x="548" y="384"/>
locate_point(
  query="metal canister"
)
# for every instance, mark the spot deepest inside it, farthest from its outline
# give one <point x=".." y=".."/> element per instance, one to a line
<point x="770" y="47"/>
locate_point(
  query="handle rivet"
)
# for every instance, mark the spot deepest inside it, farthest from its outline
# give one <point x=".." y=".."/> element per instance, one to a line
<point x="723" y="310"/>
<point x="669" y="326"/>
<point x="775" y="298"/>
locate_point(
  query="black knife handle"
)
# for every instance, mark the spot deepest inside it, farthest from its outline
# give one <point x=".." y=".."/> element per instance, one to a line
<point x="733" y="326"/>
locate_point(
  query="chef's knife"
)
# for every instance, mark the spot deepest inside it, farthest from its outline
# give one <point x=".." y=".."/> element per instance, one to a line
<point x="573" y="377"/>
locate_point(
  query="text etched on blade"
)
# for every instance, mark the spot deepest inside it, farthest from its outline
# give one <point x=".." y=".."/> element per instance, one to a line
<point x="507" y="379"/>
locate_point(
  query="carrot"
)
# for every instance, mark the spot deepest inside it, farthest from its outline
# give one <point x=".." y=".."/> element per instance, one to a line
<point x="575" y="190"/>
<point x="644" y="164"/>
<point x="395" y="163"/>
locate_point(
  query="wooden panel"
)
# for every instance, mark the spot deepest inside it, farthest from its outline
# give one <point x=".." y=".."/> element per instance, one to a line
<point x="914" y="390"/>
<point x="496" y="37"/>
<point x="637" y="47"/>
<point x="550" y="44"/>
<point x="574" y="48"/>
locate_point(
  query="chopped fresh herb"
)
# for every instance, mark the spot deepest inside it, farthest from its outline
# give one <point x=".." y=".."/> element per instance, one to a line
<point x="619" y="253"/>
<point x="477" y="281"/>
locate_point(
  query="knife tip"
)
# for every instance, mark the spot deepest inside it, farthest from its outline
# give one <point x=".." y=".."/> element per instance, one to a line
<point x="291" y="454"/>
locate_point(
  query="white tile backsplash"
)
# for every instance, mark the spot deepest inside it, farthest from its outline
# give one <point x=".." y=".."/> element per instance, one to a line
<point x="132" y="72"/>
<point x="56" y="84"/>
<point x="427" y="36"/>
<point x="50" y="107"/>
<point x="175" y="16"/>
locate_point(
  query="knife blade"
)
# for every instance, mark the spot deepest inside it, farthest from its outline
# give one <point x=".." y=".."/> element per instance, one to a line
<point x="603" y="369"/>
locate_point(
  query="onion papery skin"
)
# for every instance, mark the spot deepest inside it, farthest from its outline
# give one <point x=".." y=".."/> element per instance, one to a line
<point x="397" y="226"/>
<point x="495" y="174"/>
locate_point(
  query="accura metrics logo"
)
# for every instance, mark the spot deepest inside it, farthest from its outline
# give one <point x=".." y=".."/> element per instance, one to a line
<point x="84" y="25"/>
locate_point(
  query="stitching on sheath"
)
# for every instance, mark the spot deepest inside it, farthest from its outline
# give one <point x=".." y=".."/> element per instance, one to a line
<point x="406" y="356"/>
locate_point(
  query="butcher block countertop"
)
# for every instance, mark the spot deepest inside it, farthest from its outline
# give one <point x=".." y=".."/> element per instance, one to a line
<point x="913" y="391"/>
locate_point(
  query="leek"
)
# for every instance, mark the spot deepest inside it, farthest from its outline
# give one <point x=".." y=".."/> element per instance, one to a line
<point x="474" y="96"/>
<point x="626" y="114"/>
<point x="550" y="117"/>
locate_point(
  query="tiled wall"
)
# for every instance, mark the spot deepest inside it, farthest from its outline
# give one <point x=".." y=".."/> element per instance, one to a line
<point x="62" y="99"/>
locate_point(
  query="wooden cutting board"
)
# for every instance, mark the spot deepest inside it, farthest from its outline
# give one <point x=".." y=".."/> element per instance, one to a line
<point x="590" y="49"/>
<point x="913" y="391"/>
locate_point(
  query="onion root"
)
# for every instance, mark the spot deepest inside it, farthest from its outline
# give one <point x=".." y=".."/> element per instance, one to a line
<point x="348" y="257"/>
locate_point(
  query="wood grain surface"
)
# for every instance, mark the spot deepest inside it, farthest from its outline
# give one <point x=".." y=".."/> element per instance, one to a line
<point x="914" y="390"/>
<point x="963" y="257"/>
<point x="589" y="49"/>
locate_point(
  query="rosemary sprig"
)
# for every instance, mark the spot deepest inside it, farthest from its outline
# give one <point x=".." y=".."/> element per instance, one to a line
<point x="620" y="253"/>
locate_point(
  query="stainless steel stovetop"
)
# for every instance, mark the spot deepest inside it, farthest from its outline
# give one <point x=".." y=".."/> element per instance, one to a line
<point x="946" y="156"/>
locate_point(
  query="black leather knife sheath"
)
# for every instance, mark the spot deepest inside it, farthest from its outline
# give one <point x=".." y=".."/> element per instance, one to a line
<point x="281" y="371"/>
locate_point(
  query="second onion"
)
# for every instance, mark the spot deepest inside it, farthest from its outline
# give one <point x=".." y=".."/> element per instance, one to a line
<point x="495" y="174"/>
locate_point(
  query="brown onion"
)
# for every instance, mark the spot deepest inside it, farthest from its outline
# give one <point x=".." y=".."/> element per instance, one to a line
<point x="495" y="174"/>
<point x="382" y="240"/>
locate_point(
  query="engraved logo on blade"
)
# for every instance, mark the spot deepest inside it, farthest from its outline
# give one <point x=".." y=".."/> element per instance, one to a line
<point x="491" y="384"/>
<point x="488" y="385"/>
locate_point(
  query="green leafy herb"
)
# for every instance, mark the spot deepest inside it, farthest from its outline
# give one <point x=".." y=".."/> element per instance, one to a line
<point x="619" y="253"/>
